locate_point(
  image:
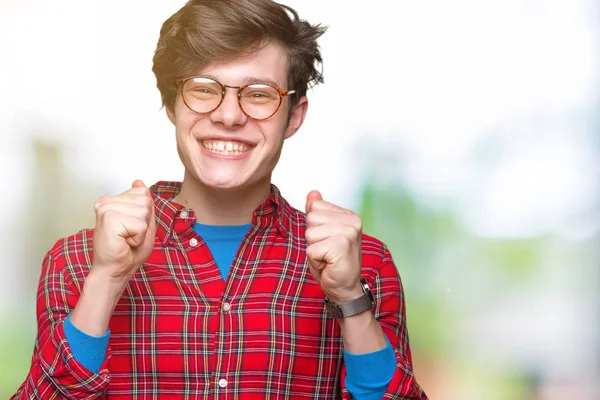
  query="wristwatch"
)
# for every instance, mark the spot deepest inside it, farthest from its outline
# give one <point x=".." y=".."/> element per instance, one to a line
<point x="356" y="306"/>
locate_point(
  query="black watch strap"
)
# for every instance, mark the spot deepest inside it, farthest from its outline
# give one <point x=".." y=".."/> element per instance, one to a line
<point x="356" y="306"/>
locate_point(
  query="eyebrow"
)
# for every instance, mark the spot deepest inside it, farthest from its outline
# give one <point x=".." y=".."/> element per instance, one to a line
<point x="249" y="80"/>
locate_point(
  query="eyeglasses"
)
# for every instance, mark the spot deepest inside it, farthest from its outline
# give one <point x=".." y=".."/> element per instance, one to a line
<point x="258" y="101"/>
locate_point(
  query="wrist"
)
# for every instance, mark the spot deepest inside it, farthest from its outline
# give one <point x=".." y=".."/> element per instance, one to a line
<point x="98" y="278"/>
<point x="362" y="333"/>
<point x="345" y="295"/>
<point x="96" y="304"/>
<point x="363" y="320"/>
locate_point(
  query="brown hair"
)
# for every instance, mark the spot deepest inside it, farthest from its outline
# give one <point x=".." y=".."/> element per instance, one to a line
<point x="206" y="31"/>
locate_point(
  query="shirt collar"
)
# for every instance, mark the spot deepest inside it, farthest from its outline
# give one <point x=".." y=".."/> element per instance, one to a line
<point x="173" y="218"/>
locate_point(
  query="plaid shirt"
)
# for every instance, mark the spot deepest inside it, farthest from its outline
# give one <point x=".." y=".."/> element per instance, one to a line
<point x="180" y="331"/>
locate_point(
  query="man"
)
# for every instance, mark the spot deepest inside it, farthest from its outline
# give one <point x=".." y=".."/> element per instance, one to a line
<point x="216" y="287"/>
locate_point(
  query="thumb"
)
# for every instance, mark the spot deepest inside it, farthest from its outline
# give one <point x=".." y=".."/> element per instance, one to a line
<point x="138" y="183"/>
<point x="314" y="195"/>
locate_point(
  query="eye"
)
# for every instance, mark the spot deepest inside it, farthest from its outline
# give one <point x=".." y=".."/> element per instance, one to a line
<point x="258" y="95"/>
<point x="204" y="90"/>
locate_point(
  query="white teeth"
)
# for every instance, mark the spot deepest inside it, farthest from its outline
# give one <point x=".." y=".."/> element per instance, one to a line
<point x="226" y="148"/>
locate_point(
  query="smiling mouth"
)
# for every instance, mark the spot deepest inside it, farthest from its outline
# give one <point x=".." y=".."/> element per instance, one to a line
<point x="225" y="147"/>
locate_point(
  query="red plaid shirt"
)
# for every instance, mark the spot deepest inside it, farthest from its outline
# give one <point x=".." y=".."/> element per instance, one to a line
<point x="180" y="331"/>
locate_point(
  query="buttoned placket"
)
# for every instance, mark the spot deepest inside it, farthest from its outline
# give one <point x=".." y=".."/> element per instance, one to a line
<point x="221" y="322"/>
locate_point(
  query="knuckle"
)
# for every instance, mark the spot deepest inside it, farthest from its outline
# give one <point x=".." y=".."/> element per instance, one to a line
<point x="109" y="213"/>
<point x="99" y="202"/>
<point x="356" y="222"/>
<point x="100" y="209"/>
<point x="349" y="232"/>
<point x="146" y="214"/>
<point x="148" y="202"/>
<point x="348" y="240"/>
<point x="106" y="216"/>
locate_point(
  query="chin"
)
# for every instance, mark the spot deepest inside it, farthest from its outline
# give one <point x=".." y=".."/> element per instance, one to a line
<point x="223" y="184"/>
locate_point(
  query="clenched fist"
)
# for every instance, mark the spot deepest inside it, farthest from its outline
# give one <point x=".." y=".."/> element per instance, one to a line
<point x="333" y="236"/>
<point x="125" y="232"/>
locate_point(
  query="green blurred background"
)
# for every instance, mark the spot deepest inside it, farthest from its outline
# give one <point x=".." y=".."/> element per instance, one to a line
<point x="466" y="134"/>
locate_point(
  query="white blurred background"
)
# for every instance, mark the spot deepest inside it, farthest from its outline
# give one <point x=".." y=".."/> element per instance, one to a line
<point x="467" y="134"/>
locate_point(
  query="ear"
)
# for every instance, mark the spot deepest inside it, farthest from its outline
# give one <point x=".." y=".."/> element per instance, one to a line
<point x="297" y="117"/>
<point x="170" y="114"/>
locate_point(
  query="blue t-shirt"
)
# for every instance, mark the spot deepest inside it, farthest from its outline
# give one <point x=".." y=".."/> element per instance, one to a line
<point x="223" y="242"/>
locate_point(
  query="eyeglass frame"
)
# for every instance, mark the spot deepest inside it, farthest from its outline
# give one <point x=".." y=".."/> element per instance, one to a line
<point x="282" y="93"/>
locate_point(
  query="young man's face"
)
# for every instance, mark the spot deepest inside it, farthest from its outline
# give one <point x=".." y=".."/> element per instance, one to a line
<point x="203" y="139"/>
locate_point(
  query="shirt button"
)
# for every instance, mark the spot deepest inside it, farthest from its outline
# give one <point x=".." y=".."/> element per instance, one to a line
<point x="184" y="214"/>
<point x="226" y="306"/>
<point x="222" y="383"/>
<point x="193" y="242"/>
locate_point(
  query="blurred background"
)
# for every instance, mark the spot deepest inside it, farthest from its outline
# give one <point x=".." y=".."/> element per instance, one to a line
<point x="466" y="133"/>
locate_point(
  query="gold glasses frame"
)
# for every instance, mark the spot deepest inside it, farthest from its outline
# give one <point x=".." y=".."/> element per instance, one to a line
<point x="282" y="93"/>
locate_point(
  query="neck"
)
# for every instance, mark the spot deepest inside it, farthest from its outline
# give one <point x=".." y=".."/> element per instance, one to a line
<point x="222" y="206"/>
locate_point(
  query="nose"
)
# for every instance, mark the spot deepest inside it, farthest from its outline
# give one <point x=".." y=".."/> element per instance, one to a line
<point x="229" y="112"/>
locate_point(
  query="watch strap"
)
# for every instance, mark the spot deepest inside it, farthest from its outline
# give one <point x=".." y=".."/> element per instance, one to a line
<point x="353" y="307"/>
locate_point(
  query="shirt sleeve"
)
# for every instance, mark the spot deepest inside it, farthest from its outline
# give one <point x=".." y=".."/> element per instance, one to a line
<point x="368" y="375"/>
<point x="89" y="351"/>
<point x="390" y="312"/>
<point x="55" y="372"/>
